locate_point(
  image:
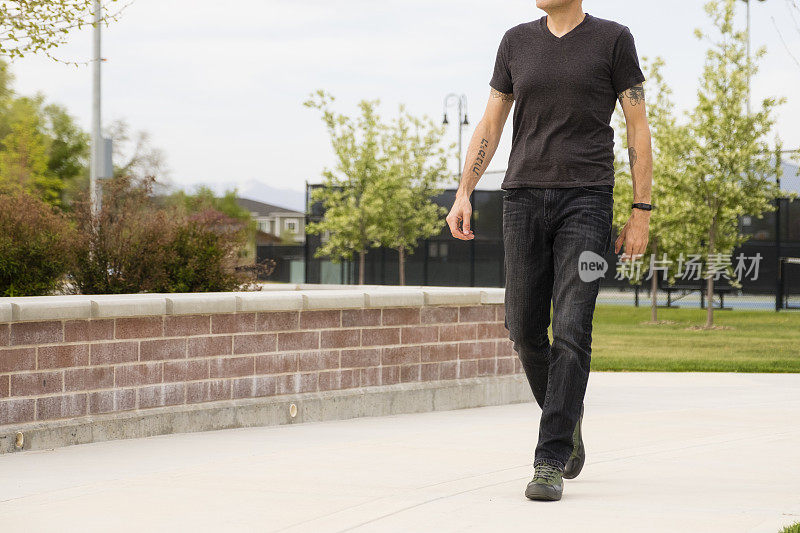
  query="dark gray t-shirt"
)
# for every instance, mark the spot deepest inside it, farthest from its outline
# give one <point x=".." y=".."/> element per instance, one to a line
<point x="565" y="90"/>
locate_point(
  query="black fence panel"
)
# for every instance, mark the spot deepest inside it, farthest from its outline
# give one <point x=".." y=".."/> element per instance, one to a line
<point x="289" y="261"/>
<point x="445" y="261"/>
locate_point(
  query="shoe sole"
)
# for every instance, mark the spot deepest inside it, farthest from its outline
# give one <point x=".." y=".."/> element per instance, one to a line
<point x="542" y="493"/>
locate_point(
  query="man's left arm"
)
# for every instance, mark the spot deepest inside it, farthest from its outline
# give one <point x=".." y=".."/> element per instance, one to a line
<point x="635" y="234"/>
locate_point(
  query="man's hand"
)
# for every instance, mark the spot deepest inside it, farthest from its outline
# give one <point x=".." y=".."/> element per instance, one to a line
<point x="479" y="153"/>
<point x="634" y="235"/>
<point x="459" y="218"/>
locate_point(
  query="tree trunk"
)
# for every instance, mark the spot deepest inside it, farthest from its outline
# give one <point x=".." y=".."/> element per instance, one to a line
<point x="361" y="257"/>
<point x="709" y="302"/>
<point x="653" y="285"/>
<point x="710" y="280"/>
<point x="401" y="264"/>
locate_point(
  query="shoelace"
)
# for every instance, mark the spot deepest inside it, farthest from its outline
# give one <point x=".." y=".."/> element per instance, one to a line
<point x="547" y="472"/>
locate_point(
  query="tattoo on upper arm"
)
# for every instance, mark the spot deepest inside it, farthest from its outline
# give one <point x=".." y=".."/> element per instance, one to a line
<point x="506" y="97"/>
<point x="635" y="94"/>
<point x="478" y="165"/>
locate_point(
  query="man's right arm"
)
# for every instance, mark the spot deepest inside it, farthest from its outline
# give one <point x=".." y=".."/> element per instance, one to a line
<point x="481" y="148"/>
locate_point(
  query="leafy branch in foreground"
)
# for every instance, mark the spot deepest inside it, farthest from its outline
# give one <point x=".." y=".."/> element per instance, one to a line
<point x="34" y="26"/>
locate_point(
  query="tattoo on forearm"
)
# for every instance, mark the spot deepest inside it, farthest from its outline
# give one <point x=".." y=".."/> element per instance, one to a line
<point x="632" y="156"/>
<point x="502" y="96"/>
<point x="635" y="94"/>
<point x="479" y="159"/>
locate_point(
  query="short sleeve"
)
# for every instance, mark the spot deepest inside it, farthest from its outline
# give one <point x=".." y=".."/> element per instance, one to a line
<point x="625" y="71"/>
<point x="501" y="77"/>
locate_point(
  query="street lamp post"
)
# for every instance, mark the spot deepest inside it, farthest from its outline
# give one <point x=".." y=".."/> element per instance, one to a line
<point x="97" y="148"/>
<point x="462" y="120"/>
<point x="748" y="53"/>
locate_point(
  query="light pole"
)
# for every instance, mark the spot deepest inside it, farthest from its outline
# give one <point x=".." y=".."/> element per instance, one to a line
<point x="462" y="120"/>
<point x="748" y="53"/>
<point x="97" y="148"/>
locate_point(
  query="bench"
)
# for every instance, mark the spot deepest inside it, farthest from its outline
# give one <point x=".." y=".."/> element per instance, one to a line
<point x="684" y="288"/>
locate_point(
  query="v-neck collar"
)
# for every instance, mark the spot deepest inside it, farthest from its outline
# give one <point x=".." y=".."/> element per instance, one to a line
<point x="549" y="34"/>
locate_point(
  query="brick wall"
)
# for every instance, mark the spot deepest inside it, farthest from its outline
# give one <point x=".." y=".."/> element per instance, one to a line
<point x="57" y="369"/>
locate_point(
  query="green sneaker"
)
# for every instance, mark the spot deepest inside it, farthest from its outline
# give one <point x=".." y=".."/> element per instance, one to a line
<point x="575" y="462"/>
<point x="546" y="483"/>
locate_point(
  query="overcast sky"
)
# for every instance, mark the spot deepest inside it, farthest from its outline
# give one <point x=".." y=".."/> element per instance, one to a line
<point x="221" y="89"/>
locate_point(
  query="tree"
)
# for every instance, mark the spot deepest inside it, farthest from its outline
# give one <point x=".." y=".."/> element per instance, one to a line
<point x="23" y="152"/>
<point x="417" y="165"/>
<point x="37" y="26"/>
<point x="729" y="171"/>
<point x="350" y="193"/>
<point x="203" y="198"/>
<point x="6" y="78"/>
<point x="68" y="153"/>
<point x="134" y="155"/>
<point x="669" y="142"/>
<point x="43" y="149"/>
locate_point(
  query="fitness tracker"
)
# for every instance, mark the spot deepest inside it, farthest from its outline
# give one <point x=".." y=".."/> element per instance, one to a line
<point x="639" y="205"/>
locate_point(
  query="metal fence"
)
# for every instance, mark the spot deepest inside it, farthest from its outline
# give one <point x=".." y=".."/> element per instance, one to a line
<point x="767" y="265"/>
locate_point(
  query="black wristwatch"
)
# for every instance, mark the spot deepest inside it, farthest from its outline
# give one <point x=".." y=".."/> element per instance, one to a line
<point x="639" y="205"/>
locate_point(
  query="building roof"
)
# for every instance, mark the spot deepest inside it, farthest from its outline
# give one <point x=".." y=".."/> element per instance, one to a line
<point x="264" y="210"/>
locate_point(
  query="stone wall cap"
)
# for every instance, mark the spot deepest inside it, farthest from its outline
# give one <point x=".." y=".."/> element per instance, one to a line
<point x="269" y="301"/>
<point x="394" y="298"/>
<point x="201" y="303"/>
<point x="452" y="296"/>
<point x="493" y="296"/>
<point x="68" y="307"/>
<point x="65" y="307"/>
<point x="5" y="311"/>
<point x="128" y="306"/>
<point x="333" y="299"/>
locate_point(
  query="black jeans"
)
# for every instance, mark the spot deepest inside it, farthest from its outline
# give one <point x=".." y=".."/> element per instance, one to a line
<point x="545" y="232"/>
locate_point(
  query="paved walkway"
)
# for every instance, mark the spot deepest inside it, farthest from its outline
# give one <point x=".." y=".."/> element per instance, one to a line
<point x="666" y="452"/>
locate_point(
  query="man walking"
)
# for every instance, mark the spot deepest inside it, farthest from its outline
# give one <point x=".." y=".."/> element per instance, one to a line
<point x="565" y="71"/>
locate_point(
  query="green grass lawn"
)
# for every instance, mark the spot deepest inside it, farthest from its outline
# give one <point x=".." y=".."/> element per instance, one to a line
<point x="759" y="341"/>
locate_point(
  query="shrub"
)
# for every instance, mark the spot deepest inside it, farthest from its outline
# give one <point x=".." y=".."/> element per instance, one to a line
<point x="204" y="253"/>
<point x="138" y="246"/>
<point x="123" y="252"/>
<point x="36" y="245"/>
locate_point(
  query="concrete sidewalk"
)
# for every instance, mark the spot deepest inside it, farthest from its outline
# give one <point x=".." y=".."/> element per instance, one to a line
<point x="688" y="452"/>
